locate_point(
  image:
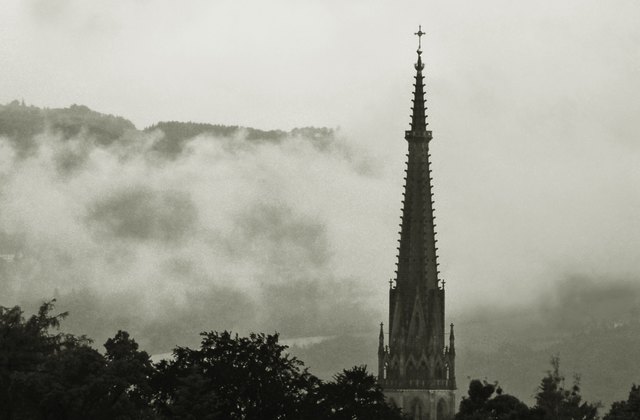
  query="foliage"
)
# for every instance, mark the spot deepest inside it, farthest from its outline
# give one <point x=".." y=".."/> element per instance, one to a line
<point x="129" y="372"/>
<point x="481" y="403"/>
<point x="234" y="377"/>
<point x="626" y="410"/>
<point x="21" y="123"/>
<point x="555" y="402"/>
<point x="354" y="394"/>
<point x="177" y="134"/>
<point x="45" y="374"/>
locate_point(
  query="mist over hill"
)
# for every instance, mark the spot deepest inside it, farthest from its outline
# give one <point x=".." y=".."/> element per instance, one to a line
<point x="180" y="227"/>
<point x="185" y="227"/>
<point x="20" y="123"/>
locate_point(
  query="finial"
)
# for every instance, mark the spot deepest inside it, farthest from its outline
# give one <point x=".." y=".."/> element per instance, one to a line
<point x="419" y="33"/>
<point x="452" y="352"/>
<point x="419" y="65"/>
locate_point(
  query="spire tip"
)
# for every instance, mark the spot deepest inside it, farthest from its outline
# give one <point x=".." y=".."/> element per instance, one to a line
<point x="419" y="34"/>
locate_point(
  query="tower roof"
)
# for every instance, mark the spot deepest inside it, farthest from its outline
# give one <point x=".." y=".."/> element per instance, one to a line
<point x="418" y="108"/>
<point x="417" y="274"/>
<point x="417" y="252"/>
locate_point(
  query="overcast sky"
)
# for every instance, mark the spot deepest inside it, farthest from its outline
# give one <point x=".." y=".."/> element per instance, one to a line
<point x="534" y="108"/>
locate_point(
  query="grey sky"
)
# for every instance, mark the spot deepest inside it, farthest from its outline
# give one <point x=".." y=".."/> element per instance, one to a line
<point x="533" y="105"/>
<point x="287" y="63"/>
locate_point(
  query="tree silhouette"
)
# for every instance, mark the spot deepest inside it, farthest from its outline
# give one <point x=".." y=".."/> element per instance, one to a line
<point x="555" y="402"/>
<point x="354" y="394"/>
<point x="231" y="377"/>
<point x="626" y="410"/>
<point x="481" y="403"/>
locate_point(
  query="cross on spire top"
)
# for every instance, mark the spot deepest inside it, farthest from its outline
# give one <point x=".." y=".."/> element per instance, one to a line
<point x="419" y="34"/>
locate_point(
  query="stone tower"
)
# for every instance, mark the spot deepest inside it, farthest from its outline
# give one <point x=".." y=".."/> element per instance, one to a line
<point x="417" y="369"/>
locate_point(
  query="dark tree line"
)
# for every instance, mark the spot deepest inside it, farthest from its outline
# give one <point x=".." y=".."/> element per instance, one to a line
<point x="49" y="375"/>
<point x="46" y="374"/>
<point x="553" y="401"/>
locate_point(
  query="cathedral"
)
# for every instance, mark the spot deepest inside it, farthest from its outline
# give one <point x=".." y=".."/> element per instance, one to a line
<point x="416" y="369"/>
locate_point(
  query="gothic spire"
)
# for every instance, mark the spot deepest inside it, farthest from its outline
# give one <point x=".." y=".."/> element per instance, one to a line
<point x="418" y="115"/>
<point x="416" y="356"/>
<point x="417" y="259"/>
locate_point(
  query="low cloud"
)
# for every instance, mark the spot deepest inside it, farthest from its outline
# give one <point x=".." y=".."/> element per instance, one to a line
<point x="144" y="215"/>
<point x="208" y="227"/>
<point x="232" y="229"/>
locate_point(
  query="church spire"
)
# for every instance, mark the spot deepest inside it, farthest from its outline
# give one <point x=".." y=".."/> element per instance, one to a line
<point x="418" y="115"/>
<point x="416" y="357"/>
<point x="416" y="328"/>
<point x="417" y="265"/>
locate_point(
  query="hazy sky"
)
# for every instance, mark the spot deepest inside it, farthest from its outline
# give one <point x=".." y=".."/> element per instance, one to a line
<point x="533" y="105"/>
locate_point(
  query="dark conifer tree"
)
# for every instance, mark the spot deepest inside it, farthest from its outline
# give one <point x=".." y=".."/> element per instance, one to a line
<point x="555" y="402"/>
<point x="626" y="410"/>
